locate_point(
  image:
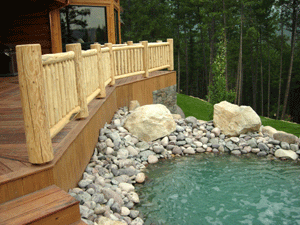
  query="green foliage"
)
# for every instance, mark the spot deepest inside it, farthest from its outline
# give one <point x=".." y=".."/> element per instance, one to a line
<point x="197" y="28"/>
<point x="217" y="91"/>
<point x="198" y="108"/>
<point x="202" y="110"/>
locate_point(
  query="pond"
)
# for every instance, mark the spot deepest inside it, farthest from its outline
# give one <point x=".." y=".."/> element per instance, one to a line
<point x="223" y="189"/>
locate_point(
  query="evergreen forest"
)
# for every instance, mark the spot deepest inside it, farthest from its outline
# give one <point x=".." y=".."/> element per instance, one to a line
<point x="243" y="51"/>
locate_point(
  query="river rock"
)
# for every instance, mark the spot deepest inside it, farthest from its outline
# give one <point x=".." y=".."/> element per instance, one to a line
<point x="236" y="152"/>
<point x="126" y="187"/>
<point x="116" y="207"/>
<point x="191" y="120"/>
<point x="189" y="150"/>
<point x="152" y="159"/>
<point x="142" y="146"/>
<point x="177" y="150"/>
<point x="288" y="154"/>
<point x="123" y="154"/>
<point x="234" y="120"/>
<point x="108" y="194"/>
<point x="204" y="140"/>
<point x="255" y="150"/>
<point x="263" y="147"/>
<point x="137" y="221"/>
<point x="158" y="149"/>
<point x="125" y="211"/>
<point x="134" y="214"/>
<point x="107" y="221"/>
<point x="150" y="122"/>
<point x="285" y="145"/>
<point x="134" y="104"/>
<point x="146" y="153"/>
<point x="100" y="209"/>
<point x="294" y="147"/>
<point x="268" y="130"/>
<point x="132" y="196"/>
<point x="85" y="211"/>
<point x="84" y="183"/>
<point x="115" y="137"/>
<point x="179" y="128"/>
<point x="140" y="178"/>
<point x="109" y="151"/>
<point x="165" y="141"/>
<point x="252" y="143"/>
<point x="285" y="137"/>
<point x="132" y="151"/>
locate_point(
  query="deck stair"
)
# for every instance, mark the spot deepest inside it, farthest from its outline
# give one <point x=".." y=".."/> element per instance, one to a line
<point x="48" y="206"/>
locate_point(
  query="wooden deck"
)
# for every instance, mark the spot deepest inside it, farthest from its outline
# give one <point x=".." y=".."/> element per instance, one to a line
<point x="73" y="146"/>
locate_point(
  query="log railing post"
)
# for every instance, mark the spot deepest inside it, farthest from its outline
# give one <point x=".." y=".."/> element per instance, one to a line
<point x="129" y="42"/>
<point x="80" y="81"/>
<point x="145" y="58"/>
<point x="112" y="63"/>
<point x="170" y="41"/>
<point x="33" y="98"/>
<point x="102" y="94"/>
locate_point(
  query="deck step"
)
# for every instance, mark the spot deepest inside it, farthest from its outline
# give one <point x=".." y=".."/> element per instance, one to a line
<point x="47" y="206"/>
<point x="80" y="222"/>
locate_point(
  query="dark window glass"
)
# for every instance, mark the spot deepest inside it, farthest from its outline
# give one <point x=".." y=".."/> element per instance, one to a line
<point x="83" y="24"/>
<point x="117" y="26"/>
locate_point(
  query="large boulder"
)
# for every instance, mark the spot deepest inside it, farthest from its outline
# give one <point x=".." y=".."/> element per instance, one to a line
<point x="234" y="120"/>
<point x="150" y="122"/>
<point x="285" y="137"/>
<point x="288" y="154"/>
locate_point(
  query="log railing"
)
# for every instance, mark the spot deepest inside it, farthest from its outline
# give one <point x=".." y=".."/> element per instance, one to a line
<point x="55" y="88"/>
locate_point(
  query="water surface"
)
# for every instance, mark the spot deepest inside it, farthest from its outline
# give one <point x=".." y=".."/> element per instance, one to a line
<point x="221" y="190"/>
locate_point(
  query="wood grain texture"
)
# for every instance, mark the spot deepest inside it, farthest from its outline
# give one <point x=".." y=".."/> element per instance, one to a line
<point x="80" y="81"/>
<point x="73" y="145"/>
<point x="47" y="206"/>
<point x="32" y="89"/>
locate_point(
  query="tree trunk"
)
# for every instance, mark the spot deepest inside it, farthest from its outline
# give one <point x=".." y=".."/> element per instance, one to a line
<point x="261" y="77"/>
<point x="186" y="63"/>
<point x="269" y="84"/>
<point x="178" y="69"/>
<point x="280" y="71"/>
<point x="225" y="44"/>
<point x="204" y="63"/>
<point x="295" y="17"/>
<point x="211" y="58"/>
<point x="255" y="81"/>
<point x="241" y="60"/>
<point x="239" y="80"/>
<point x="178" y="56"/>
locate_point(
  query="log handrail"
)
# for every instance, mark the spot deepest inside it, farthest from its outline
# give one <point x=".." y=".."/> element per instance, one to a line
<point x="55" y="88"/>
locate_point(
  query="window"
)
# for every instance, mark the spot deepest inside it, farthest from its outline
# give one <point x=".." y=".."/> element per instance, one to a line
<point x="83" y="24"/>
<point x="117" y="27"/>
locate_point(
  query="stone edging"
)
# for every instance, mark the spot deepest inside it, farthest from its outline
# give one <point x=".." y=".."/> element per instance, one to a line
<point x="106" y="192"/>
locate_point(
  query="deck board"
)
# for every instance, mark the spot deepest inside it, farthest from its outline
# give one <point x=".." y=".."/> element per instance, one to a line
<point x="13" y="154"/>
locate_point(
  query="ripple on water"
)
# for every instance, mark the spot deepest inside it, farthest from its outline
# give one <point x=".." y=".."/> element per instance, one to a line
<point x="221" y="190"/>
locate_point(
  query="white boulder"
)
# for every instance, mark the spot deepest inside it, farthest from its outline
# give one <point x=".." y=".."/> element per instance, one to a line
<point x="234" y="120"/>
<point x="288" y="154"/>
<point x="150" y="122"/>
<point x="268" y="130"/>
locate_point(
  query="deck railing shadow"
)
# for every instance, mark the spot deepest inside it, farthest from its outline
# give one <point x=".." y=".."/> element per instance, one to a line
<point x="55" y="88"/>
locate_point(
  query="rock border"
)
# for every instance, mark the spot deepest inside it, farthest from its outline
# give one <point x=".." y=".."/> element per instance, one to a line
<point x="107" y="193"/>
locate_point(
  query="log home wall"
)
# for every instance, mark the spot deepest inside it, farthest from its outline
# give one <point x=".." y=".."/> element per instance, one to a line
<point x="28" y="29"/>
<point x="40" y="24"/>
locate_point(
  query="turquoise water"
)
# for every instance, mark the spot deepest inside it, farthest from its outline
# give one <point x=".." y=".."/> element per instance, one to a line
<point x="221" y="190"/>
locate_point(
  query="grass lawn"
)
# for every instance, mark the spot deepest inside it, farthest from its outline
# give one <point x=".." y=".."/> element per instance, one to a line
<point x="203" y="110"/>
